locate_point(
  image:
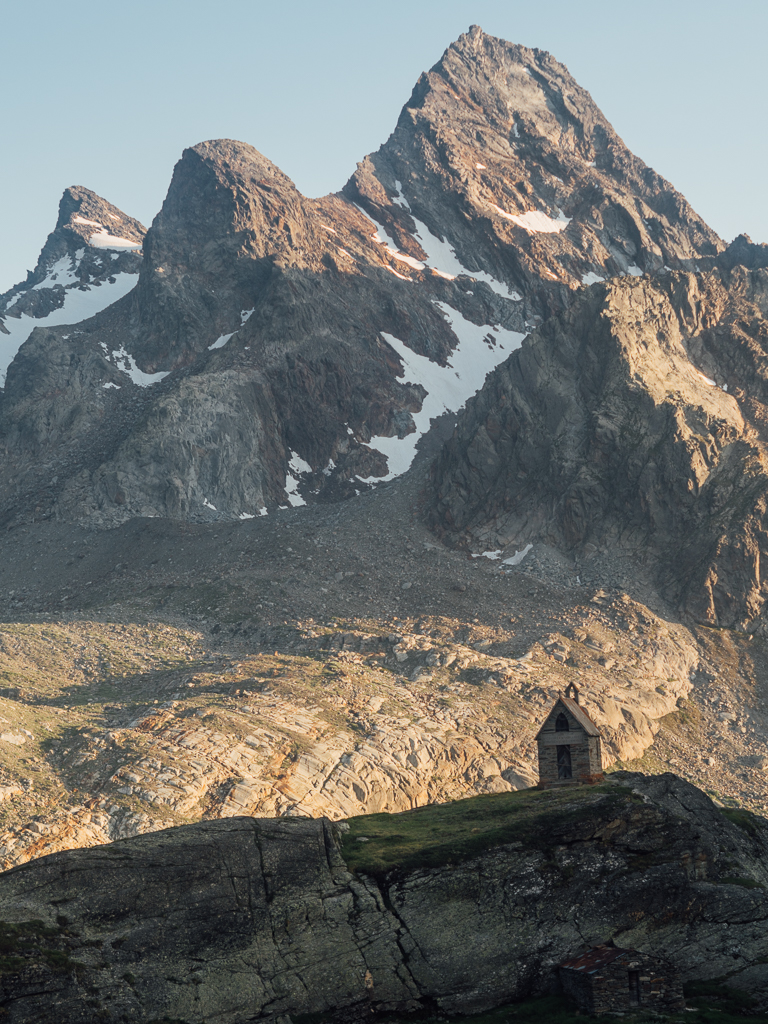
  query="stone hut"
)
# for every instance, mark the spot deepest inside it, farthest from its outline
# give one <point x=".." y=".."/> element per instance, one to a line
<point x="570" y="752"/>
<point x="606" y="979"/>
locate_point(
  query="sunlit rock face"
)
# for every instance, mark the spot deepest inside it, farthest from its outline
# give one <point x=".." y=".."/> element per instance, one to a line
<point x="635" y="419"/>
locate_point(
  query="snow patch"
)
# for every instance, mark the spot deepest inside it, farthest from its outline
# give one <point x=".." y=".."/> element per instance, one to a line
<point x="441" y="256"/>
<point x="416" y="264"/>
<point x="209" y="505"/>
<point x="481" y="167"/>
<point x="103" y="240"/>
<point x="143" y="380"/>
<point x="401" y="276"/>
<point x="634" y="271"/>
<point x="78" y="305"/>
<point x="109" y="384"/>
<point x="381" y="236"/>
<point x="263" y="511"/>
<point x="246" y="515"/>
<point x="61" y="273"/>
<point x="77" y="219"/>
<point x="294" y="497"/>
<point x="448" y="387"/>
<point x="536" y="221"/>
<point x="591" y="278"/>
<point x="296" y="465"/>
<point x="518" y="556"/>
<point x="705" y="379"/>
<point x="221" y="341"/>
<point x="493" y="555"/>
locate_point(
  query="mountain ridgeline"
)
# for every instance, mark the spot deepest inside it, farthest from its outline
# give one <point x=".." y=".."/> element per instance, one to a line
<point x="278" y="350"/>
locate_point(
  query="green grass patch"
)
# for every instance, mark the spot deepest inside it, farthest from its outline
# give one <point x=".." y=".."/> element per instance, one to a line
<point x="746" y="821"/>
<point x="439" y="834"/>
<point x="745" y="883"/>
<point x="31" y="941"/>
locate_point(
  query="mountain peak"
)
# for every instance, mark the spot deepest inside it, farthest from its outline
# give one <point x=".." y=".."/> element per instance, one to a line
<point x="86" y="214"/>
<point x="87" y="229"/>
<point x="501" y="154"/>
<point x="501" y="193"/>
<point x="236" y="157"/>
<point x="89" y="260"/>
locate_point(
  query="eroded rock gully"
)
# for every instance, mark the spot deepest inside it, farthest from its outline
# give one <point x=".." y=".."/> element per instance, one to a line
<point x="248" y="919"/>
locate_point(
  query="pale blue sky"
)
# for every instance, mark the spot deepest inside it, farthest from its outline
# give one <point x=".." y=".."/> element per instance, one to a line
<point x="107" y="95"/>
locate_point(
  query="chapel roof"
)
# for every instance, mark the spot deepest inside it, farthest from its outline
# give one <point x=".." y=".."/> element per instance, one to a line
<point x="578" y="713"/>
<point x="595" y="958"/>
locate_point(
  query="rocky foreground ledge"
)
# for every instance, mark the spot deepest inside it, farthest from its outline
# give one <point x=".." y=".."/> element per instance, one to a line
<point x="462" y="906"/>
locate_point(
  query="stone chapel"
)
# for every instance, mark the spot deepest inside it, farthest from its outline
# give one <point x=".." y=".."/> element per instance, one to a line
<point x="569" y="745"/>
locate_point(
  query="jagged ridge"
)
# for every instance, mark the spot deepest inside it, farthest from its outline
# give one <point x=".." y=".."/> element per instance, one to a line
<point x="285" y="324"/>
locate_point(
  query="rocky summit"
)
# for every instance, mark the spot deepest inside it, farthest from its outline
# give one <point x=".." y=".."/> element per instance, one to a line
<point x="310" y="509"/>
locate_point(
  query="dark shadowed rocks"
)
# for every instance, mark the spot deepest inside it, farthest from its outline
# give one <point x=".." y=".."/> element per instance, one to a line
<point x="247" y="919"/>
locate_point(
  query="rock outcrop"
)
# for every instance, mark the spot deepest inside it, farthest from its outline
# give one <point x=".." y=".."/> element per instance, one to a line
<point x="635" y="419"/>
<point x="248" y="919"/>
<point x="403" y="721"/>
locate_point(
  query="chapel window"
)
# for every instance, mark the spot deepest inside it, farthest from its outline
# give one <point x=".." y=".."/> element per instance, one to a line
<point x="561" y="723"/>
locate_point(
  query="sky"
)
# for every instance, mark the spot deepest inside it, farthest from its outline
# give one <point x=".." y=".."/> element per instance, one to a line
<point x="107" y="95"/>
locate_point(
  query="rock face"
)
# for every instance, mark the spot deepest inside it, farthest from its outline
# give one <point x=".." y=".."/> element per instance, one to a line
<point x="636" y="418"/>
<point x="503" y="154"/>
<point x="308" y="343"/>
<point x="89" y="261"/>
<point x="248" y="919"/>
<point x="404" y="721"/>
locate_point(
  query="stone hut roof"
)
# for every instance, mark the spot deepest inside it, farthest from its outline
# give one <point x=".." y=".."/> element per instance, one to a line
<point x="578" y="713"/>
<point x="595" y="959"/>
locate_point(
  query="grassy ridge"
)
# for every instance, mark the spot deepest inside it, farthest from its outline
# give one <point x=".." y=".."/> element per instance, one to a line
<point x="440" y="834"/>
